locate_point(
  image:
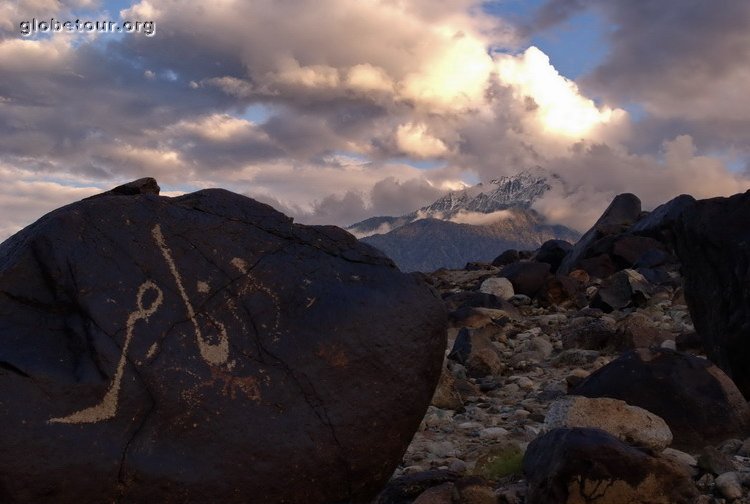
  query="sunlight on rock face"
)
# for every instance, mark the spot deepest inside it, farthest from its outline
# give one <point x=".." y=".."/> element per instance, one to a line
<point x="559" y="105"/>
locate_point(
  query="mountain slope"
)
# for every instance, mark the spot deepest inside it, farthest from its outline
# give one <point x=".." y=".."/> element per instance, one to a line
<point x="429" y="244"/>
<point x="474" y="224"/>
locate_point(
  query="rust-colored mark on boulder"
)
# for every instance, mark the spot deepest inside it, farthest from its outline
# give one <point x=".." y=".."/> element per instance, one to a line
<point x="334" y="355"/>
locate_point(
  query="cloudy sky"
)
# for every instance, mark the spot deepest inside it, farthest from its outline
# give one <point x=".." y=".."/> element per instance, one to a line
<point x="338" y="110"/>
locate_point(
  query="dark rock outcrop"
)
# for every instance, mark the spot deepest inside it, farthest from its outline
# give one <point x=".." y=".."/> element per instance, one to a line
<point x="527" y="277"/>
<point x="405" y="489"/>
<point x="553" y="252"/>
<point x="589" y="333"/>
<point x="508" y="257"/>
<point x="712" y="242"/>
<point x="205" y="349"/>
<point x="590" y="466"/>
<point x="689" y="393"/>
<point x="623" y="289"/>
<point x="562" y="290"/>
<point x="474" y="350"/>
<point x="660" y="222"/>
<point x="624" y="210"/>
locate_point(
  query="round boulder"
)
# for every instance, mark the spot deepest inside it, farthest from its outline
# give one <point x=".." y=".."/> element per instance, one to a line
<point x="204" y="348"/>
<point x="698" y="401"/>
<point x="630" y="424"/>
<point x="590" y="466"/>
<point x="499" y="287"/>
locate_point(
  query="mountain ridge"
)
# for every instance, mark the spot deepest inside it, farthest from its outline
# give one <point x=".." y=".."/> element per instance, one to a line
<point x="472" y="224"/>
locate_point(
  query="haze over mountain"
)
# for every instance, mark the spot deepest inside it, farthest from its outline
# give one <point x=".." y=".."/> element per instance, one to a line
<point x="473" y="224"/>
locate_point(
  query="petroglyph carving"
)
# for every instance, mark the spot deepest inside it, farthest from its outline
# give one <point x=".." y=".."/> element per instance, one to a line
<point x="214" y="354"/>
<point x="107" y="408"/>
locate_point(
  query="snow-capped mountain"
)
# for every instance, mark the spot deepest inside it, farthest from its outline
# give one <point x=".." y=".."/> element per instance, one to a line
<point x="473" y="224"/>
<point x="518" y="191"/>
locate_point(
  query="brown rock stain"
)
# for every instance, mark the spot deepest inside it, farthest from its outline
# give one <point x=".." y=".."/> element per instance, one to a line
<point x="334" y="355"/>
<point x="235" y="386"/>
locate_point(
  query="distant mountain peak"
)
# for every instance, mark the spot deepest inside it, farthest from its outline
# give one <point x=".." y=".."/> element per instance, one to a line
<point x="515" y="191"/>
<point x="474" y="223"/>
<point x="519" y="190"/>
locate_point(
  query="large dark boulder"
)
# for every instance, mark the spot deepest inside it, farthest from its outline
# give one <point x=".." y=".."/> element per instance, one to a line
<point x="205" y="349"/>
<point x="590" y="466"/>
<point x="629" y="249"/>
<point x="712" y="238"/>
<point x="553" y="252"/>
<point x="622" y="213"/>
<point x="660" y="222"/>
<point x="623" y="289"/>
<point x="527" y="277"/>
<point x="698" y="401"/>
<point x="507" y="257"/>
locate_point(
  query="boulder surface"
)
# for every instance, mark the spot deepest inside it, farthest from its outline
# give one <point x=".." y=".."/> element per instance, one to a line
<point x="203" y="349"/>
<point x="698" y="401"/>
<point x="590" y="466"/>
<point x="712" y="237"/>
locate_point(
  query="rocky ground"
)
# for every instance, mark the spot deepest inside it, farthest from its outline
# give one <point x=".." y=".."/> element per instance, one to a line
<point x="513" y="361"/>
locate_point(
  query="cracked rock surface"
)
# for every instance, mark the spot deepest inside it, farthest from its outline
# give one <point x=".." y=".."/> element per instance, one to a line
<point x="205" y="349"/>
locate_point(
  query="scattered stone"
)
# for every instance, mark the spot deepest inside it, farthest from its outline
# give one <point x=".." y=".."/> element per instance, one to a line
<point x="562" y="291"/>
<point x="468" y="343"/>
<point x="590" y="334"/>
<point x="639" y="331"/>
<point x="728" y="484"/>
<point x="437" y="418"/>
<point x="405" y="489"/>
<point x="713" y="461"/>
<point x="575" y="357"/>
<point x="493" y="433"/>
<point x="630" y="424"/>
<point x="730" y="446"/>
<point x="498" y="286"/>
<point x="446" y="394"/>
<point x="475" y="491"/>
<point x="457" y="466"/>
<point x="590" y="466"/>
<point x="508" y="257"/>
<point x="576" y="376"/>
<point x="687" y="460"/>
<point x="484" y="362"/>
<point x="441" y="494"/>
<point x="473" y="299"/>
<point x="621" y="290"/>
<point x="467" y="317"/>
<point x="197" y="348"/>
<point x="669" y="345"/>
<point x="600" y="266"/>
<point x="520" y="300"/>
<point x="503" y="459"/>
<point x="580" y="276"/>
